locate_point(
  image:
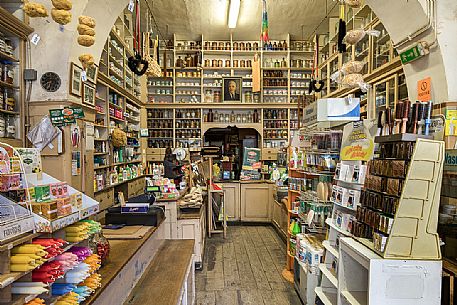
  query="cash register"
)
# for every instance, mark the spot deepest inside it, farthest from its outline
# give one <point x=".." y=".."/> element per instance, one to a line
<point x="138" y="210"/>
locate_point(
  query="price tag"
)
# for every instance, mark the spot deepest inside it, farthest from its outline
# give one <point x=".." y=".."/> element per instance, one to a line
<point x="131" y="5"/>
<point x="84" y="76"/>
<point x="35" y="39"/>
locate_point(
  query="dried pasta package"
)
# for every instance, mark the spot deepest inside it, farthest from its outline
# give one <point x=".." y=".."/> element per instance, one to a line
<point x="354" y="81"/>
<point x="86" y="40"/>
<point x="62" y="4"/>
<point x="87" y="60"/>
<point x="354" y="36"/>
<point x="352" y="3"/>
<point x="61" y="16"/>
<point x="33" y="9"/>
<point x="85" y="30"/>
<point x="348" y="68"/>
<point x="86" y="20"/>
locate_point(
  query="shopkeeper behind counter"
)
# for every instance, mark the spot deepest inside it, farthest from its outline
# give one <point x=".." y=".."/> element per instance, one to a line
<point x="171" y="166"/>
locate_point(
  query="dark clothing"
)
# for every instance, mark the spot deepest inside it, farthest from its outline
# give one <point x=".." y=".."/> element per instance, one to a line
<point x="169" y="169"/>
<point x="228" y="97"/>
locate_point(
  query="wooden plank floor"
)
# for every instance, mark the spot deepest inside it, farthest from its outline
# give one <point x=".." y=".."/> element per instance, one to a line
<point x="245" y="269"/>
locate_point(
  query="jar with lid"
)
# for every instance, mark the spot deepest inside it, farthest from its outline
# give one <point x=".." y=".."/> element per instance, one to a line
<point x="214" y="63"/>
<point x="232" y="117"/>
<point x="221" y="118"/>
<point x="220" y="63"/>
<point x="248" y="46"/>
<point x="242" y="63"/>
<point x="255" y="116"/>
<point x="221" y="45"/>
<point x="248" y="63"/>
<point x="242" y="46"/>
<point x="255" y="46"/>
<point x="216" y="117"/>
<point x="248" y="97"/>
<point x="189" y="61"/>
<point x="235" y="63"/>
<point x="227" y="46"/>
<point x="238" y="118"/>
<point x="214" y="45"/>
<point x="217" y="97"/>
<point x="283" y="63"/>
<point x="179" y="62"/>
<point x="235" y="46"/>
<point x="208" y="96"/>
<point x="8" y="74"/>
<point x="227" y="63"/>
<point x="207" y="45"/>
<point x="227" y="118"/>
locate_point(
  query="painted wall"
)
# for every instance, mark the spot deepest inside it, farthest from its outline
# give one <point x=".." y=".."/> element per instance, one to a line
<point x="401" y="18"/>
<point x="58" y="46"/>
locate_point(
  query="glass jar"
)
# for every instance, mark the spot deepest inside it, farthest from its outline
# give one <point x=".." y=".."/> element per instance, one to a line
<point x="238" y="118"/>
<point x="214" y="45"/>
<point x="227" y="46"/>
<point x="232" y="117"/>
<point x="235" y="46"/>
<point x="214" y="63"/>
<point x="235" y="63"/>
<point x="217" y="97"/>
<point x="255" y="46"/>
<point x="220" y="63"/>
<point x="227" y="63"/>
<point x="248" y="97"/>
<point x="208" y="96"/>
<point x="242" y="63"/>
<point x="221" y="46"/>
<point x="242" y="46"/>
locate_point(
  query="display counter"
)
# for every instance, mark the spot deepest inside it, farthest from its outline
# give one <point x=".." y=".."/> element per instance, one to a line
<point x="248" y="201"/>
<point x="127" y="262"/>
<point x="179" y="225"/>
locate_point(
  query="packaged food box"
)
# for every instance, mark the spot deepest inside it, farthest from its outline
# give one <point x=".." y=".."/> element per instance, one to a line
<point x="42" y="193"/>
<point x="59" y="190"/>
<point x="47" y="210"/>
<point x="9" y="182"/>
<point x="63" y="206"/>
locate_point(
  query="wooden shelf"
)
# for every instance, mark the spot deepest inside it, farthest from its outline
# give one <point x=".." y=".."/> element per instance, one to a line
<point x="9" y="86"/>
<point x="8" y="57"/>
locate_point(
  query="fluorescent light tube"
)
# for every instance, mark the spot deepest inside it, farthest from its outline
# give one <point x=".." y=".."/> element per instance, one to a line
<point x="234" y="12"/>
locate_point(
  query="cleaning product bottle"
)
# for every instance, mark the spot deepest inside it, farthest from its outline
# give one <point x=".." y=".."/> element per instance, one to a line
<point x="292" y="225"/>
<point x="296" y="229"/>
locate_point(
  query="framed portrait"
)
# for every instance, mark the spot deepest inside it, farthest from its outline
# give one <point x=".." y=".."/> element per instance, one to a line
<point x="232" y="89"/>
<point x="92" y="74"/>
<point x="75" y="80"/>
<point x="88" y="94"/>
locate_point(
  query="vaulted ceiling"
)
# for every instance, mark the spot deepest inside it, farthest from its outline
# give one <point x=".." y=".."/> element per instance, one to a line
<point x="190" y="18"/>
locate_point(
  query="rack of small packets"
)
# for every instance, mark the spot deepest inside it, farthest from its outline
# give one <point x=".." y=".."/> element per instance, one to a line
<point x="53" y="203"/>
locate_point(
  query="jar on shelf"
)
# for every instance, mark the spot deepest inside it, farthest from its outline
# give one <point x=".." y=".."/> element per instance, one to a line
<point x="235" y="46"/>
<point x="248" y="63"/>
<point x="227" y="63"/>
<point x="217" y="97"/>
<point x="214" y="45"/>
<point x="242" y="63"/>
<point x="248" y="46"/>
<point x="214" y="63"/>
<point x="220" y="63"/>
<point x="208" y="96"/>
<point x="248" y="97"/>
<point x="255" y="46"/>
<point x="207" y="45"/>
<point x="242" y="46"/>
<point x="227" y="46"/>
<point x="235" y="63"/>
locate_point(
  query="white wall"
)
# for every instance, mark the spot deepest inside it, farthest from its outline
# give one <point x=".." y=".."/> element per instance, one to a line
<point x="402" y="18"/>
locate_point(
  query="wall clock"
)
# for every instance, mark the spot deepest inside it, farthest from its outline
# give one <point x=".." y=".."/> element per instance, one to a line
<point x="50" y="81"/>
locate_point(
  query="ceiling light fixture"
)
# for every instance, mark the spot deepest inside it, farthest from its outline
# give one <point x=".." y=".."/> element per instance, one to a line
<point x="234" y="12"/>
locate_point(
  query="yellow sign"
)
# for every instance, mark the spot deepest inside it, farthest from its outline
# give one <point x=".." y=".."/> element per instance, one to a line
<point x="451" y="123"/>
<point x="424" y="89"/>
<point x="358" y="143"/>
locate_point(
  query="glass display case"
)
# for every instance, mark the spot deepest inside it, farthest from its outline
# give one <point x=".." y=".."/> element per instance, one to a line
<point x="382" y="47"/>
<point x="389" y="91"/>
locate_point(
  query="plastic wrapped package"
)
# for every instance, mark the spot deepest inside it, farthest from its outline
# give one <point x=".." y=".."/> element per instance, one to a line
<point x="352" y="67"/>
<point x="352" y="3"/>
<point x="354" y="36"/>
<point x="355" y="80"/>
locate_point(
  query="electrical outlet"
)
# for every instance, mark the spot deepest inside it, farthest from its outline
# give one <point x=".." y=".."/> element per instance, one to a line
<point x="30" y="74"/>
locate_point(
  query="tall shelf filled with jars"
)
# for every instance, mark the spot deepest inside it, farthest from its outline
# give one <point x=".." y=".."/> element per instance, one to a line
<point x="13" y="34"/>
<point x="193" y="75"/>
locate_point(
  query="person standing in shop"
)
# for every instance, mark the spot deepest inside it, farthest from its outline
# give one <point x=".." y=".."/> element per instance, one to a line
<point x="171" y="166"/>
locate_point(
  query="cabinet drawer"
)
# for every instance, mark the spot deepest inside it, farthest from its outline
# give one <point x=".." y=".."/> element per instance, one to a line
<point x="155" y="157"/>
<point x="155" y="151"/>
<point x="269" y="154"/>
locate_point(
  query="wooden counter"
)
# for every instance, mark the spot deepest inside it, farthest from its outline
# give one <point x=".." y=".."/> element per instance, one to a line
<point x="127" y="261"/>
<point x="164" y="278"/>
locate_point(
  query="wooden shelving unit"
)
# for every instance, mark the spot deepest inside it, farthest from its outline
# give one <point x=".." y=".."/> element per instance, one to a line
<point x="382" y="64"/>
<point x="14" y="33"/>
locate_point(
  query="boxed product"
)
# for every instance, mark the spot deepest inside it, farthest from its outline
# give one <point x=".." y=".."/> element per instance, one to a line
<point x="47" y="210"/>
<point x="42" y="193"/>
<point x="59" y="190"/>
<point x="15" y="165"/>
<point x="63" y="206"/>
<point x="379" y="241"/>
<point x="359" y="174"/>
<point x="9" y="181"/>
<point x="351" y="198"/>
<point x="337" y="194"/>
<point x="76" y="200"/>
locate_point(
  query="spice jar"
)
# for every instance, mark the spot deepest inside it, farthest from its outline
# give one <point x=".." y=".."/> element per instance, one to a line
<point x="207" y="45"/>
<point x="256" y="46"/>
<point x="227" y="63"/>
<point x="242" y="46"/>
<point x="242" y="63"/>
<point x="220" y="63"/>
<point x="207" y="63"/>
<point x="248" y="46"/>
<point x="214" y="63"/>
<point x="217" y="96"/>
<point x="235" y="46"/>
<point x="227" y="46"/>
<point x="214" y="45"/>
<point x="235" y="63"/>
<point x="221" y="46"/>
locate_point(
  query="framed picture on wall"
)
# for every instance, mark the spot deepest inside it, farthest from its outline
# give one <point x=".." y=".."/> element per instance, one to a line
<point x="75" y="80"/>
<point x="92" y="74"/>
<point x="88" y="94"/>
<point x="232" y="89"/>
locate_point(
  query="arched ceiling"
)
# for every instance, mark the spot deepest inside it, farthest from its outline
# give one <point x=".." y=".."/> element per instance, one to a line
<point x="189" y="18"/>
